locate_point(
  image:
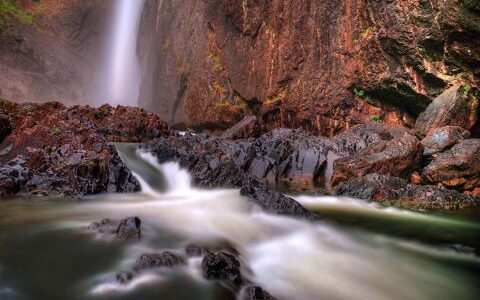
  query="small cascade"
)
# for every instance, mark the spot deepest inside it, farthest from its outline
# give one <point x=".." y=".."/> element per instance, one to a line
<point x="122" y="79"/>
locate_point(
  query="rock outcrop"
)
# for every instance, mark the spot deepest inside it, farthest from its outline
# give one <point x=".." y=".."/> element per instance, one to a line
<point x="154" y="260"/>
<point x="214" y="162"/>
<point x="318" y="65"/>
<point x="62" y="150"/>
<point x="457" y="106"/>
<point x="395" y="191"/>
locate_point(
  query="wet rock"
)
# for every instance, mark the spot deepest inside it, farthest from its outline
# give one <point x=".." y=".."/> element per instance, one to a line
<point x="398" y="192"/>
<point x="222" y="266"/>
<point x="104" y="226"/>
<point x="129" y="229"/>
<point x="253" y="292"/>
<point x="439" y="139"/>
<point x="13" y="175"/>
<point x="458" y="167"/>
<point x="457" y="106"/>
<point x="153" y="260"/>
<point x="124" y="277"/>
<point x="462" y="248"/>
<point x="195" y="250"/>
<point x="214" y="162"/>
<point x="376" y="148"/>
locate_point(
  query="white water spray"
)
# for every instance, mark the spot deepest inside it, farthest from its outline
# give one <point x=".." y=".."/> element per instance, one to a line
<point x="123" y="71"/>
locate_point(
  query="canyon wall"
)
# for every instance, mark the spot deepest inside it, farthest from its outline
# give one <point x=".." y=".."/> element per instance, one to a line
<point x="51" y="50"/>
<point x="319" y="65"/>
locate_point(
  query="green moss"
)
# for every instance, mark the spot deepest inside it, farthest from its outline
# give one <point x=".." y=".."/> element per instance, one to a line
<point x="376" y="118"/>
<point x="10" y="8"/>
<point x="359" y="92"/>
<point x="464" y="89"/>
<point x="55" y="131"/>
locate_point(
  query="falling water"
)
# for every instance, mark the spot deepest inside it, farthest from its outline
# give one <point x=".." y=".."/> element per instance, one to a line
<point x="123" y="72"/>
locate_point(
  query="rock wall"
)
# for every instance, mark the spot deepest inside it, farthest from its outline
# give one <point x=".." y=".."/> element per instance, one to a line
<point x="50" y="49"/>
<point x="319" y="65"/>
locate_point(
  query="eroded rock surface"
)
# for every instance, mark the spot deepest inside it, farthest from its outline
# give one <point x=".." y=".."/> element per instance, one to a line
<point x="129" y="229"/>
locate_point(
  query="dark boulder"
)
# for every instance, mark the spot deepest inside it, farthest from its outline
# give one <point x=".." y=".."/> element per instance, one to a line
<point x="253" y="292"/>
<point x="124" y="277"/>
<point x="222" y="266"/>
<point x="129" y="229"/>
<point x="376" y="148"/>
<point x="457" y="106"/>
<point x="458" y="167"/>
<point x="398" y="192"/>
<point x="104" y="226"/>
<point x="154" y="260"/>
<point x="13" y="175"/>
<point x="439" y="139"/>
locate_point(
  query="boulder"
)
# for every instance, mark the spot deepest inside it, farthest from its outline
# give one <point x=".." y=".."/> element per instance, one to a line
<point x="155" y="260"/>
<point x="104" y="226"/>
<point x="222" y="266"/>
<point x="398" y="192"/>
<point x="439" y="139"/>
<point x="458" y="167"/>
<point x="254" y="292"/>
<point x="376" y="148"/>
<point x="129" y="229"/>
<point x="457" y="106"/>
<point x="13" y="175"/>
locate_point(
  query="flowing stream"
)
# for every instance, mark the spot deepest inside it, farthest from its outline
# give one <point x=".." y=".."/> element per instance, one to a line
<point x="360" y="251"/>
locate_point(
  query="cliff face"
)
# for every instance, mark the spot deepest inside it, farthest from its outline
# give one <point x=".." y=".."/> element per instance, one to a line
<point x="319" y="65"/>
<point x="49" y="50"/>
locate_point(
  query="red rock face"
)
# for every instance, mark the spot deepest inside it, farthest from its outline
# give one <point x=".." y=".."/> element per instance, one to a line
<point x="319" y="65"/>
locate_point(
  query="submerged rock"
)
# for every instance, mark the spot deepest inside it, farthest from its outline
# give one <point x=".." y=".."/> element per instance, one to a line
<point x="398" y="192"/>
<point x="104" y="226"/>
<point x="458" y="167"/>
<point x="222" y="266"/>
<point x="439" y="139"/>
<point x="457" y="106"/>
<point x="129" y="229"/>
<point x="254" y="292"/>
<point x="154" y="260"/>
<point x="124" y="277"/>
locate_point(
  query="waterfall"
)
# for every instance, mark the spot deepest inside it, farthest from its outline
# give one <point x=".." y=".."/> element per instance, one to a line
<point x="122" y="77"/>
